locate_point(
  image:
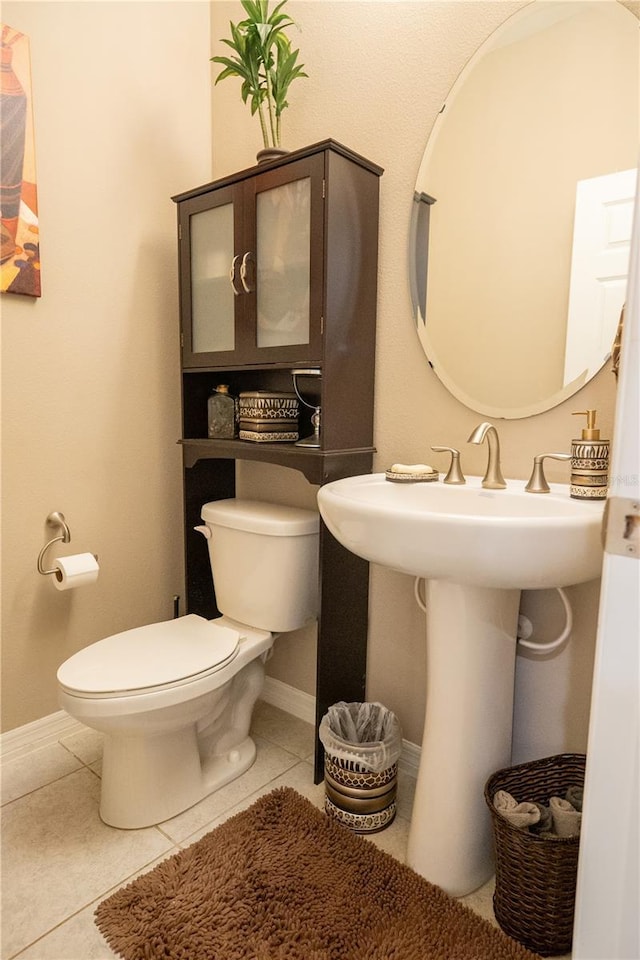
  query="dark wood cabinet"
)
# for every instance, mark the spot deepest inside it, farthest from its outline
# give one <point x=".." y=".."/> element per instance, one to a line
<point x="278" y="270"/>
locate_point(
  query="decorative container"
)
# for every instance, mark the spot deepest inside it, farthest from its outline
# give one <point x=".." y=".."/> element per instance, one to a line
<point x="536" y="876"/>
<point x="267" y="154"/>
<point x="266" y="417"/>
<point x="221" y="414"/>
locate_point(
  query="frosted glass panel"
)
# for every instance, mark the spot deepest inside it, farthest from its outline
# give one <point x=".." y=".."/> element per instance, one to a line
<point x="212" y="306"/>
<point x="283" y="254"/>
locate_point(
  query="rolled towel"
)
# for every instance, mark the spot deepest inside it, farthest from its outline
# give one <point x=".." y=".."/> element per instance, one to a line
<point x="566" y="819"/>
<point x="521" y="815"/>
<point x="545" y="823"/>
<point x="575" y="796"/>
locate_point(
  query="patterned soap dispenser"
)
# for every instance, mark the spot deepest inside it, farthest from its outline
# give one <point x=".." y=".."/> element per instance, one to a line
<point x="589" y="462"/>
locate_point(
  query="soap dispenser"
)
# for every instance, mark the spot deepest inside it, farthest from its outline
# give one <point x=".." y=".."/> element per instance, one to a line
<point x="589" y="461"/>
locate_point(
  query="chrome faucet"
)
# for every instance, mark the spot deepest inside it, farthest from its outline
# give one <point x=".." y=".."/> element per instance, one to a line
<point x="493" y="479"/>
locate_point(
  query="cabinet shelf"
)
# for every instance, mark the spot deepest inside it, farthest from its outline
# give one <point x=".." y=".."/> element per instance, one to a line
<point x="318" y="466"/>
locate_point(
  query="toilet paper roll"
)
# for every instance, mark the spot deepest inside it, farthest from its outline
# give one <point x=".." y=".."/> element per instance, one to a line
<point x="77" y="570"/>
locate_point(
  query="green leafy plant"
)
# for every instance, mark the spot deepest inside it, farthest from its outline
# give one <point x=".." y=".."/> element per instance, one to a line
<point x="264" y="61"/>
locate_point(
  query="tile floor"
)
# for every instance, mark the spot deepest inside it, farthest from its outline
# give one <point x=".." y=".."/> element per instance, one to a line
<point x="59" y="860"/>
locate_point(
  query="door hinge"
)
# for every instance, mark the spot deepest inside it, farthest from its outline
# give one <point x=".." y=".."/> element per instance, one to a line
<point x="179" y="231"/>
<point x="321" y="326"/>
<point x="324" y="189"/>
<point x="621" y="526"/>
<point x="181" y="339"/>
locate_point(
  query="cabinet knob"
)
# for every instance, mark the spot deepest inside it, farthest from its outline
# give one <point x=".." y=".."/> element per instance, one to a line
<point x="232" y="276"/>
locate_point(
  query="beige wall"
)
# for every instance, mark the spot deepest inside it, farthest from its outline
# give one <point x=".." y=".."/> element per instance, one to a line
<point x="378" y="74"/>
<point x="91" y="370"/>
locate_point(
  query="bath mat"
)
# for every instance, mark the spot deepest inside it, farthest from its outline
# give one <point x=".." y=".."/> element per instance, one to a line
<point x="281" y="881"/>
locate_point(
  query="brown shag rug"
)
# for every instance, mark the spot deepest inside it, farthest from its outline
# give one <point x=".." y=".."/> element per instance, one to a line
<point x="281" y="881"/>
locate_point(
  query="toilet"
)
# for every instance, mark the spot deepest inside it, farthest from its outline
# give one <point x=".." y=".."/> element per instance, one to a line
<point x="174" y="700"/>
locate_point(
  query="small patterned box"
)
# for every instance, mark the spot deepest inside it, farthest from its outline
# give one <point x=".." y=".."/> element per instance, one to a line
<point x="266" y="417"/>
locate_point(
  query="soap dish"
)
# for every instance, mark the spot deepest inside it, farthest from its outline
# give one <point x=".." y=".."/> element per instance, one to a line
<point x="411" y="477"/>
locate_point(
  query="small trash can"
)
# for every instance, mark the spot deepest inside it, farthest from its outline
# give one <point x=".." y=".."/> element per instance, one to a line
<point x="536" y="875"/>
<point x="362" y="743"/>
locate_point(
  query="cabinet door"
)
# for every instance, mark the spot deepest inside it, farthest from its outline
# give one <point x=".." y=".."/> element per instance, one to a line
<point x="252" y="269"/>
<point x="210" y="259"/>
<point x="284" y="222"/>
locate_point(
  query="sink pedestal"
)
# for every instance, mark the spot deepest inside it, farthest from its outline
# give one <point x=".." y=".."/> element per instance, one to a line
<point x="471" y="652"/>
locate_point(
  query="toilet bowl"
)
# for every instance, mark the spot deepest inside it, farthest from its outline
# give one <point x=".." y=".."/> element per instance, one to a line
<point x="174" y="700"/>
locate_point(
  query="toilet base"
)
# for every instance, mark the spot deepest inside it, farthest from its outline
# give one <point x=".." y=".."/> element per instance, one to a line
<point x="146" y="780"/>
<point x="167" y="749"/>
<point x="157" y="771"/>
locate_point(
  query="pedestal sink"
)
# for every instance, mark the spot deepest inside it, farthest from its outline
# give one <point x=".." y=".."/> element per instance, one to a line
<point x="477" y="549"/>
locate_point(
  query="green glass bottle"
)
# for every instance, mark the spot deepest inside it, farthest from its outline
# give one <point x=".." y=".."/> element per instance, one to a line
<point x="221" y="414"/>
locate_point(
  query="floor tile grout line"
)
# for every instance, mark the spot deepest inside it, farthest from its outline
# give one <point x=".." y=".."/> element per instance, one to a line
<point x="87" y="766"/>
<point x="98" y="900"/>
<point x="41" y="786"/>
<point x="81" y="759"/>
<point x="256" y="794"/>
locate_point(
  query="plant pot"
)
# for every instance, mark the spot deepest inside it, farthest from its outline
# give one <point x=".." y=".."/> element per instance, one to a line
<point x="270" y="153"/>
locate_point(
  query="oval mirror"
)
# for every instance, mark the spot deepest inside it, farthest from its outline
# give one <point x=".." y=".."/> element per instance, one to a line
<point x="523" y="208"/>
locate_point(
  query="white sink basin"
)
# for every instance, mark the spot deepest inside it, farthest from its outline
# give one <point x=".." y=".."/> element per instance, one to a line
<point x="477" y="549"/>
<point x="492" y="538"/>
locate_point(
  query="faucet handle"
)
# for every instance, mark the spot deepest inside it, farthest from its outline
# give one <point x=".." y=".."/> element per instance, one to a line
<point x="454" y="474"/>
<point x="537" y="480"/>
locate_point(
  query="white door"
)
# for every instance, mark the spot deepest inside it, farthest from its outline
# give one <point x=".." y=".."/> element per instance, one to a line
<point x="608" y="894"/>
<point x="599" y="266"/>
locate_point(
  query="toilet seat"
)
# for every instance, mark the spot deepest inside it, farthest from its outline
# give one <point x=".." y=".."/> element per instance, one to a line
<point x="154" y="657"/>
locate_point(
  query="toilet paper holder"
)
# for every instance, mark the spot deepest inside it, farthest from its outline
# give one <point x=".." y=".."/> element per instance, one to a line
<point x="57" y="521"/>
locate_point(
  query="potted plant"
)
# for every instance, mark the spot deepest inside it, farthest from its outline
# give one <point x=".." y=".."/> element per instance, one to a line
<point x="265" y="63"/>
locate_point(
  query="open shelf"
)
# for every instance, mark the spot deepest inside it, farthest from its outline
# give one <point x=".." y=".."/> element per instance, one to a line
<point x="318" y="466"/>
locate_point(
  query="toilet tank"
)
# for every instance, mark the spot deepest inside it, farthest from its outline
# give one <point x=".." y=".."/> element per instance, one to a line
<point x="264" y="560"/>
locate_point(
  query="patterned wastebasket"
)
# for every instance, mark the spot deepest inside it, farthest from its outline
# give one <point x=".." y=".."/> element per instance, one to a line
<point x="362" y="743"/>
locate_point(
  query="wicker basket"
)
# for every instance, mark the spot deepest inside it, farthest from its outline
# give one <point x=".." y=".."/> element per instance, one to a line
<point x="535" y="876"/>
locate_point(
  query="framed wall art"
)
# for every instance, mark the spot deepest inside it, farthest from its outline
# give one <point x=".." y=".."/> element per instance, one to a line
<point x="20" y="241"/>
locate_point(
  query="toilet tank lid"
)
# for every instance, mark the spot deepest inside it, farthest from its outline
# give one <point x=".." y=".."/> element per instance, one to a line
<point x="255" y="516"/>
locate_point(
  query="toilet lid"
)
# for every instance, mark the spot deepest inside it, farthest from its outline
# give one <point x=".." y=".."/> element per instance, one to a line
<point x="152" y="656"/>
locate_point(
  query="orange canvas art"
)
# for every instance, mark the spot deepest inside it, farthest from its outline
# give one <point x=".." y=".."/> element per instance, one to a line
<point x="20" y="241"/>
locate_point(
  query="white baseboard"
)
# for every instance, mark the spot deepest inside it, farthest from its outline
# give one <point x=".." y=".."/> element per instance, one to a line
<point x="287" y="698"/>
<point x="409" y="758"/>
<point x="40" y="733"/>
